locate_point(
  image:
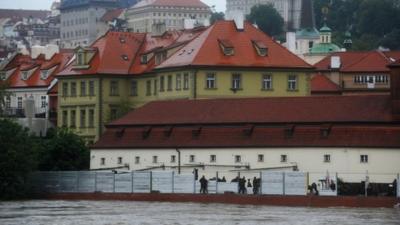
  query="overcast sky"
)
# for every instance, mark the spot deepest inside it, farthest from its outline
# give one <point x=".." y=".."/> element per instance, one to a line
<point x="45" y="4"/>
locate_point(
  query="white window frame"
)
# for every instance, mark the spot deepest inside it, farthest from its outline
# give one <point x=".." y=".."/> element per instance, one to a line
<point x="210" y="81"/>
<point x="292" y="82"/>
<point x="267" y="82"/>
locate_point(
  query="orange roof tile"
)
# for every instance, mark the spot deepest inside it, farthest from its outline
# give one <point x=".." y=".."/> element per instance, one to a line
<point x="373" y="61"/>
<point x="320" y="84"/>
<point x="205" y="50"/>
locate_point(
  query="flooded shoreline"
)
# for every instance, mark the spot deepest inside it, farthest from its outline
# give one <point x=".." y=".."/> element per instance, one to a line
<point x="123" y="212"/>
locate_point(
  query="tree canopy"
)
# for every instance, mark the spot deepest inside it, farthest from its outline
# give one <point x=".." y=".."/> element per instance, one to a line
<point x="267" y="19"/>
<point x="215" y="16"/>
<point x="21" y="153"/>
<point x="373" y="23"/>
<point x="17" y="158"/>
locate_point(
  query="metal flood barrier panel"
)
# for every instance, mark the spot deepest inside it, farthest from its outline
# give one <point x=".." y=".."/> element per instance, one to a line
<point x="284" y="183"/>
<point x="184" y="183"/>
<point x="141" y="182"/>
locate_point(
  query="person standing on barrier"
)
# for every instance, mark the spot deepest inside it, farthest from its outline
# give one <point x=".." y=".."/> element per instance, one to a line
<point x="242" y="185"/>
<point x="255" y="185"/>
<point x="203" y="185"/>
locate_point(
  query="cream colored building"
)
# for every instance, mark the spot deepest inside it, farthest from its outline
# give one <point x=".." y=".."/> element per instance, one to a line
<point x="174" y="15"/>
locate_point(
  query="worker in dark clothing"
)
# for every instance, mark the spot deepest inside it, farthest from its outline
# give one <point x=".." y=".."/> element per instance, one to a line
<point x="255" y="185"/>
<point x="203" y="185"/>
<point x="242" y="185"/>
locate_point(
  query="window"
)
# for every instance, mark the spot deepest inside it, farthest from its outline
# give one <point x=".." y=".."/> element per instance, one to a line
<point x="238" y="159"/>
<point x="43" y="102"/>
<point x="91" y="88"/>
<point x="65" y="118"/>
<point x="83" y="118"/>
<point x="103" y="161"/>
<point x="327" y="158"/>
<point x="192" y="158"/>
<point x="213" y="158"/>
<point x="364" y="158"/>
<point x="83" y="88"/>
<point x="19" y="102"/>
<point x="236" y="81"/>
<point x="148" y="87"/>
<point x="114" y="88"/>
<point x="137" y="160"/>
<point x="2" y="76"/>
<point x="185" y="81"/>
<point x="80" y="58"/>
<point x="292" y="82"/>
<point x="73" y="119"/>
<point x="44" y="74"/>
<point x="119" y="160"/>
<point x="210" y="82"/>
<point x="25" y="75"/>
<point x="267" y="82"/>
<point x="173" y="158"/>
<point x="134" y="88"/>
<point x="8" y="102"/>
<point x="161" y="83"/>
<point x="169" y="83"/>
<point x="91" y="117"/>
<point x="73" y="89"/>
<point x="178" y="81"/>
<point x="155" y="159"/>
<point x="283" y="158"/>
<point x="155" y="87"/>
<point x="65" y="89"/>
<point x="260" y="158"/>
<point x="143" y="59"/>
<point x="113" y="114"/>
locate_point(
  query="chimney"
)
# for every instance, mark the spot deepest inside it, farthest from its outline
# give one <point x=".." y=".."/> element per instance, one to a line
<point x="238" y="17"/>
<point x="335" y="62"/>
<point x="395" y="87"/>
<point x="291" y="41"/>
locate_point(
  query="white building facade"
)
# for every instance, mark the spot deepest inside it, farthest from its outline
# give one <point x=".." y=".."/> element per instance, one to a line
<point x="146" y="14"/>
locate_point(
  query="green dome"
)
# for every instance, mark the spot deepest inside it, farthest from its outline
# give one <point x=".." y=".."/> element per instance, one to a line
<point x="324" y="48"/>
<point x="307" y="33"/>
<point x="325" y="29"/>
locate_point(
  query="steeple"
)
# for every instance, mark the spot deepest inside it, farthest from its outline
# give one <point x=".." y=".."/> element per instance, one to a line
<point x="325" y="34"/>
<point x="347" y="43"/>
<point x="307" y="20"/>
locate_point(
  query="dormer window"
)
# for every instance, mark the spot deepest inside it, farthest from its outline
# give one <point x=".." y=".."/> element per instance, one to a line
<point x="44" y="74"/>
<point x="2" y="75"/>
<point x="80" y="58"/>
<point x="161" y="57"/>
<point x="24" y="75"/>
<point x="143" y="59"/>
<point x="261" y="48"/>
<point x="227" y="47"/>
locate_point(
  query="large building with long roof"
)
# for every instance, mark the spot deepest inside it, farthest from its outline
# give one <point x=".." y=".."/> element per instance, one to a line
<point x="227" y="59"/>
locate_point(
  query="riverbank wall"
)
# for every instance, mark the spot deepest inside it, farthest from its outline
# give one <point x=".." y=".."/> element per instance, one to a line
<point x="291" y="201"/>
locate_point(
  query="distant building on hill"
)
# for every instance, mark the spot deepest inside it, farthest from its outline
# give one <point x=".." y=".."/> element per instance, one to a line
<point x="148" y="15"/>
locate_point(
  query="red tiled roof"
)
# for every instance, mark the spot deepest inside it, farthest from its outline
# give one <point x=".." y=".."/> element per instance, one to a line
<point x="350" y="121"/>
<point x="261" y="136"/>
<point x="206" y="51"/>
<point x="111" y="49"/>
<point x="321" y="84"/>
<point x="316" y="109"/>
<point x="19" y="13"/>
<point x="111" y="15"/>
<point x="26" y="63"/>
<point x="373" y="61"/>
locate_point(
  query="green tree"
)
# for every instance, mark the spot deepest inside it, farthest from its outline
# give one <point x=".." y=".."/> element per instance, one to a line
<point x="267" y="19"/>
<point x="391" y="40"/>
<point x="63" y="150"/>
<point x="17" y="159"/>
<point x="215" y="16"/>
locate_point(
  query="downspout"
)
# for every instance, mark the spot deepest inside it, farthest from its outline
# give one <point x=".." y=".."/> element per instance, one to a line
<point x="100" y="107"/>
<point x="179" y="160"/>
